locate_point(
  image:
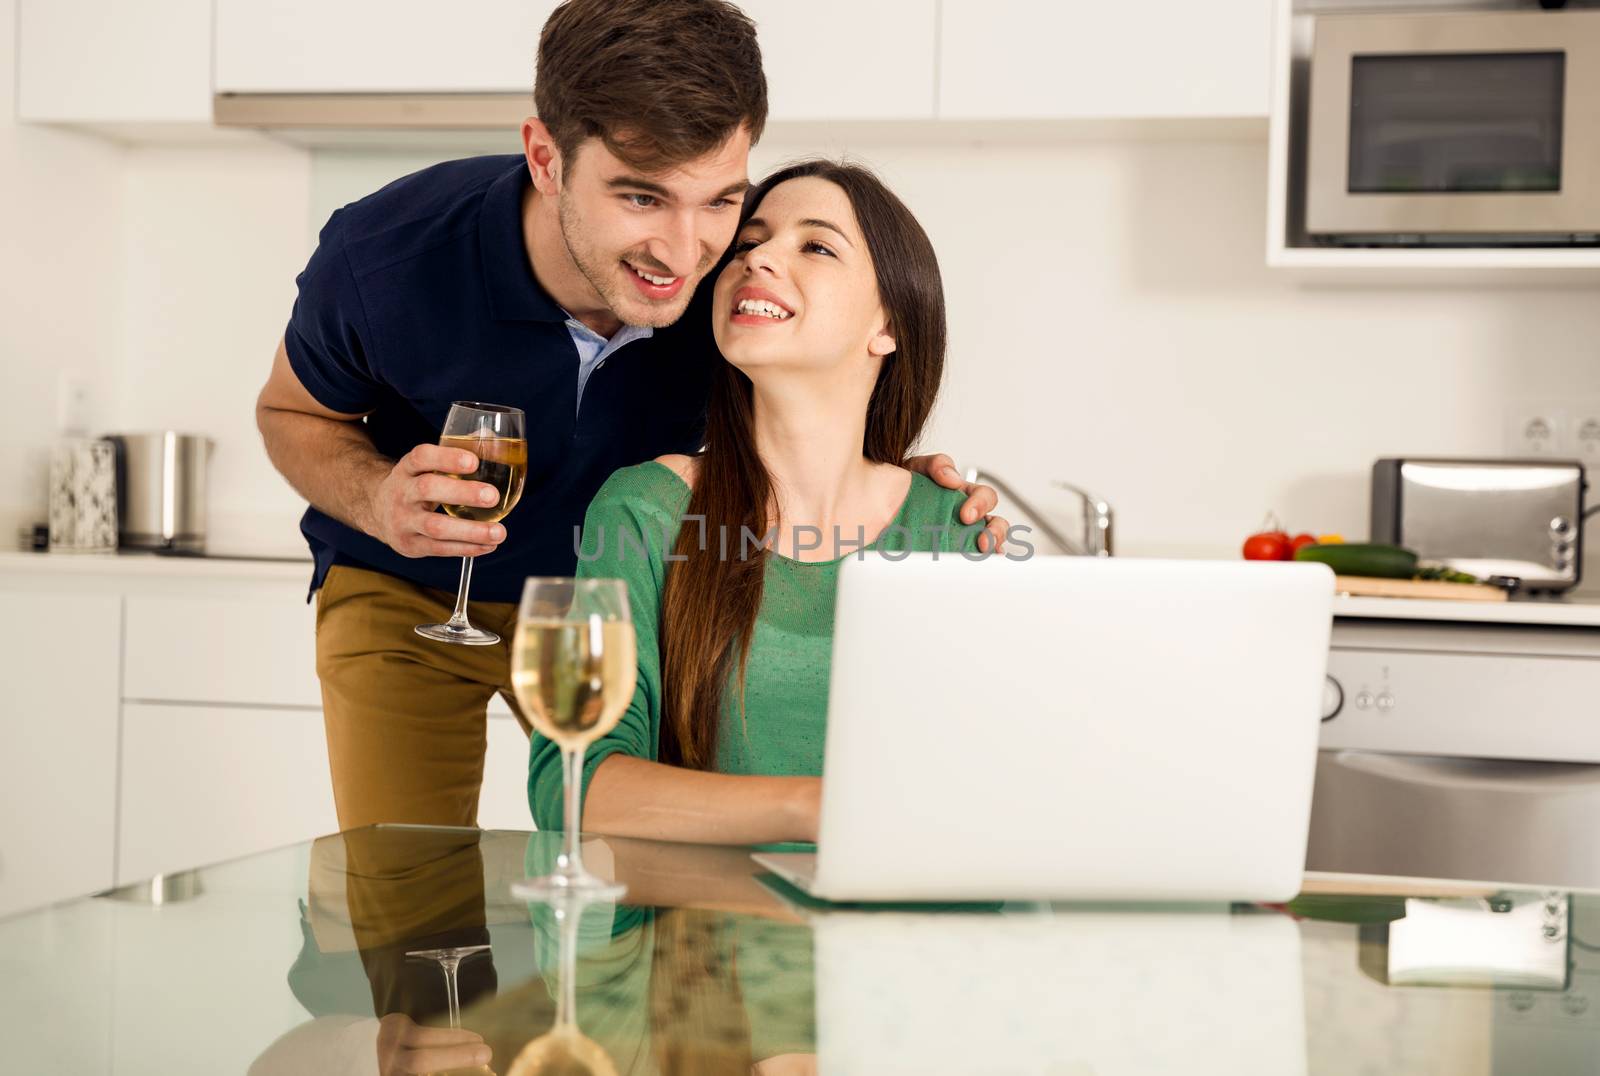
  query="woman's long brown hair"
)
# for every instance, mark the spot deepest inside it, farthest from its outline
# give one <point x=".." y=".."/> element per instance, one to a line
<point x="711" y="600"/>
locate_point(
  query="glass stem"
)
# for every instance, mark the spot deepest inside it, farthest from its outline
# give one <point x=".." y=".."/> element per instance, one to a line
<point x="458" y="619"/>
<point x="571" y="863"/>
<point x="567" y="1003"/>
<point x="452" y="966"/>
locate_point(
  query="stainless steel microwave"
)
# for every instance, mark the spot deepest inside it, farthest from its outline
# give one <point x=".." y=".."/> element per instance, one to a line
<point x="1478" y="128"/>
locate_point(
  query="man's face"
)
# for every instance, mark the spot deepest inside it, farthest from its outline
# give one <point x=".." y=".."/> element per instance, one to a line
<point x="644" y="242"/>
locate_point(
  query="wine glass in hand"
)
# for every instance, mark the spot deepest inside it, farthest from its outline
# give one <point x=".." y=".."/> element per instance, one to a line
<point x="497" y="436"/>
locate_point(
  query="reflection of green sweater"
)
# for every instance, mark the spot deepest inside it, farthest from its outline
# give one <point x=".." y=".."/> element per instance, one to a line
<point x="730" y="984"/>
<point x="786" y="683"/>
<point x="691" y="982"/>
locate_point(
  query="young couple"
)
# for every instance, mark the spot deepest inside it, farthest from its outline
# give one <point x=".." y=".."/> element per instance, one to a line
<point x="566" y="282"/>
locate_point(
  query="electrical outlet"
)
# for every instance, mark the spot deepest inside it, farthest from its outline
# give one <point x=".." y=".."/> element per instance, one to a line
<point x="1585" y="440"/>
<point x="1538" y="428"/>
<point x="73" y="401"/>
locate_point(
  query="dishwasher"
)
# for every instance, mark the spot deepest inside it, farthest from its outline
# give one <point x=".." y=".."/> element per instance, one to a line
<point x="1461" y="740"/>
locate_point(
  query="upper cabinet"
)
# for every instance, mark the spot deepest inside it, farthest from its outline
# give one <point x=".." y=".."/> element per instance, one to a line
<point x="847" y="59"/>
<point x="377" y="46"/>
<point x="1020" y="59"/>
<point x="97" y="62"/>
<point x="415" y="63"/>
<point x="824" y="59"/>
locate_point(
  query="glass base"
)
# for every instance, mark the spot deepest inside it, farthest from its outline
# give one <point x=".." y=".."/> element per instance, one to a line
<point x="556" y="887"/>
<point x="456" y="953"/>
<point x="467" y="636"/>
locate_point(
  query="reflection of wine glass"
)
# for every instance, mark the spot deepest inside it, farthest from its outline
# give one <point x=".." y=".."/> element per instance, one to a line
<point x="498" y="437"/>
<point x="449" y="961"/>
<point x="564" y="1049"/>
<point x="573" y="668"/>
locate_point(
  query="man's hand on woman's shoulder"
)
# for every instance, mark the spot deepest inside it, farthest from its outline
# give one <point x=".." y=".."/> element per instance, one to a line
<point x="981" y="500"/>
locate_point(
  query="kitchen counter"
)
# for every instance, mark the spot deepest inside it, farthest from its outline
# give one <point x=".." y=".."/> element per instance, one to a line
<point x="153" y="566"/>
<point x="1582" y="611"/>
<point x="1579" y="612"/>
<point x="283" y="963"/>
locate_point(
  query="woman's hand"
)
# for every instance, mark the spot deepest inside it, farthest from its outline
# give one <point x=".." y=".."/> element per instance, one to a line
<point x="981" y="500"/>
<point x="635" y="797"/>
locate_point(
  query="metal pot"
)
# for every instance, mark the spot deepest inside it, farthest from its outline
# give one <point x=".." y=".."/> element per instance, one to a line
<point x="161" y="490"/>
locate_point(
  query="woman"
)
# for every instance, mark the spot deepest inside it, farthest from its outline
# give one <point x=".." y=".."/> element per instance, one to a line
<point x="830" y="314"/>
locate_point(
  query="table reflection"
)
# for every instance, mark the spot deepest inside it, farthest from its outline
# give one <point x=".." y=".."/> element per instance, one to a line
<point x="715" y="969"/>
<point x="564" y="1050"/>
<point x="1069" y="991"/>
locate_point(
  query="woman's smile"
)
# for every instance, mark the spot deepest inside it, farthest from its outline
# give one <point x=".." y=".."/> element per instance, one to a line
<point x="758" y="306"/>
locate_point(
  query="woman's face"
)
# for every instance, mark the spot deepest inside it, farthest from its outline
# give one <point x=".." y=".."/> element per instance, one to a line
<point x="800" y="290"/>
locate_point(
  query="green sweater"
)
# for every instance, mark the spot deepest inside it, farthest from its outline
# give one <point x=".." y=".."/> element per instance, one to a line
<point x="786" y="682"/>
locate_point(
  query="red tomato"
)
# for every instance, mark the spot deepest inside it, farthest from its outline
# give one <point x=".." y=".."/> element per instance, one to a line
<point x="1299" y="542"/>
<point x="1268" y="545"/>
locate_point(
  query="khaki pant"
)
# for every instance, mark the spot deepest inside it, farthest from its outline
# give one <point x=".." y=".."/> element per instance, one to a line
<point x="406" y="716"/>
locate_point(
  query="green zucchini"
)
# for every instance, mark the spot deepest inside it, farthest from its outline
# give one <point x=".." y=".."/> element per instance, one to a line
<point x="1353" y="558"/>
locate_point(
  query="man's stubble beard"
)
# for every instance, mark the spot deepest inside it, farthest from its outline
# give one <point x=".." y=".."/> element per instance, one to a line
<point x="597" y="269"/>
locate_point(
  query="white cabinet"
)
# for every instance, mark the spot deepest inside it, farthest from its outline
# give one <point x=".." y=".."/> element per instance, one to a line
<point x="256" y="646"/>
<point x="163" y="714"/>
<point x="98" y="61"/>
<point x="378" y="46"/>
<point x="847" y="59"/>
<point x="1020" y="59"/>
<point x="824" y="59"/>
<point x="503" y="803"/>
<point x="201" y="784"/>
<point x="58" y="745"/>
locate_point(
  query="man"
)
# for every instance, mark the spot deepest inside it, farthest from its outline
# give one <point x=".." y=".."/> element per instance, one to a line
<point x="559" y="282"/>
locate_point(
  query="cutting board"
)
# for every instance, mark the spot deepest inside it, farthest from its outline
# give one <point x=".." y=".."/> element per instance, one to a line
<point x="1367" y="587"/>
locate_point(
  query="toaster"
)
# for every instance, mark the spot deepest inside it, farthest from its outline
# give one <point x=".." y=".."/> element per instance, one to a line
<point x="1511" y="520"/>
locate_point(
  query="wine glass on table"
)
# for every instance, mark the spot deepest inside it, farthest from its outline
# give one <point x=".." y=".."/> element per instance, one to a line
<point x="498" y="437"/>
<point x="573" y="668"/>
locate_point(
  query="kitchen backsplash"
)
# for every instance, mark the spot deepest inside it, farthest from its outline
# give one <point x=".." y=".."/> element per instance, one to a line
<point x="1112" y="324"/>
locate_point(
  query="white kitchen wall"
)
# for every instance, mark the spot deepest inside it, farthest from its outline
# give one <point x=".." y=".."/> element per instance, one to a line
<point x="157" y="277"/>
<point x="60" y="285"/>
<point x="211" y="245"/>
<point x="1113" y="324"/>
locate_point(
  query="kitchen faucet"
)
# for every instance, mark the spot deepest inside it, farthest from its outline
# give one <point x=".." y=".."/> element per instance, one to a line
<point x="1096" y="516"/>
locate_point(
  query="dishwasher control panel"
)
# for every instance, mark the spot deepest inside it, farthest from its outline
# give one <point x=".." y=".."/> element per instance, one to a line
<point x="1476" y="694"/>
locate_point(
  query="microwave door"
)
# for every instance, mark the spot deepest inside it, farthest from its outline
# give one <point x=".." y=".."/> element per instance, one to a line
<point x="1450" y="127"/>
<point x="1456" y="123"/>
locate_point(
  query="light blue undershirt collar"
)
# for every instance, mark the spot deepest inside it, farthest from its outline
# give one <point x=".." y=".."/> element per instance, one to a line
<point x="594" y="349"/>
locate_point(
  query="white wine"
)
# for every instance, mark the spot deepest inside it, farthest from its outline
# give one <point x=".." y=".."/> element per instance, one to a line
<point x="502" y="463"/>
<point x="573" y="691"/>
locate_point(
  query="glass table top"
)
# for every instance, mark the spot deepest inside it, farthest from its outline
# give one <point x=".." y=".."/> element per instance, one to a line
<point x="331" y="957"/>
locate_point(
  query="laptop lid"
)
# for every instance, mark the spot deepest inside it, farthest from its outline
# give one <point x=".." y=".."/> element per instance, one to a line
<point x="1073" y="728"/>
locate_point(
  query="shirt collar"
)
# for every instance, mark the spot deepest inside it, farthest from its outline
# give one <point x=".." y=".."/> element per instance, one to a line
<point x="513" y="292"/>
<point x="625" y="335"/>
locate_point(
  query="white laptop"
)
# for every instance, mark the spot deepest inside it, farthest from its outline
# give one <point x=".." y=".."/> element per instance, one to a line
<point x="1069" y="728"/>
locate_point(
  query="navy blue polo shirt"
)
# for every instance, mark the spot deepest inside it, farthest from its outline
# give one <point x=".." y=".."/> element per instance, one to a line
<point x="421" y="294"/>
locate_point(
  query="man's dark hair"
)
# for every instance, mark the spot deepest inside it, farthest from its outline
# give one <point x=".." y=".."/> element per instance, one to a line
<point x="660" y="82"/>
